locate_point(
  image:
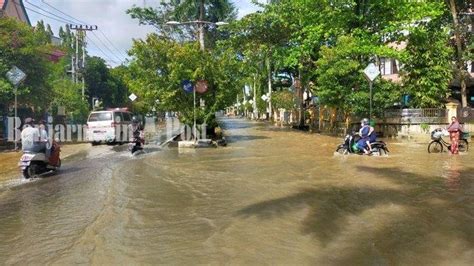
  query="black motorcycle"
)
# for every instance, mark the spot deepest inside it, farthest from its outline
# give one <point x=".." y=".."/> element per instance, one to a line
<point x="349" y="146"/>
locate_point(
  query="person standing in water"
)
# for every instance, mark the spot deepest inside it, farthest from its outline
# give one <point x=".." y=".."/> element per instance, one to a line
<point x="454" y="130"/>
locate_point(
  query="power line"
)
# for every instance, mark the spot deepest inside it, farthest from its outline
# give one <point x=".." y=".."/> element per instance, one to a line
<point x="39" y="13"/>
<point x="58" y="10"/>
<point x="113" y="46"/>
<point x="48" y="12"/>
<point x="102" y="51"/>
<point x="82" y="22"/>
<point x="62" y="19"/>
<point x="106" y="47"/>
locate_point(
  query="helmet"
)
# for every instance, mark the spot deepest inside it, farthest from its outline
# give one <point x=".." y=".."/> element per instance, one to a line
<point x="29" y="121"/>
<point x="134" y="119"/>
<point x="364" y="121"/>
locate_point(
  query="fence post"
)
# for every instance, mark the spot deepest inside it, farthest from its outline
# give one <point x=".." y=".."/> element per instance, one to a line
<point x="452" y="110"/>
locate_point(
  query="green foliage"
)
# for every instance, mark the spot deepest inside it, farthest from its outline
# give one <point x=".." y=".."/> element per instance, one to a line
<point x="327" y="43"/>
<point x="261" y="105"/>
<point x="428" y="67"/>
<point x="283" y="99"/>
<point x="425" y="127"/>
<point x="23" y="47"/>
<point x="161" y="65"/>
<point x="69" y="95"/>
<point x="105" y="84"/>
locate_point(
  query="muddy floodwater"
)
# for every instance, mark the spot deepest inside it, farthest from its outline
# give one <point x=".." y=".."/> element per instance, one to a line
<point x="272" y="196"/>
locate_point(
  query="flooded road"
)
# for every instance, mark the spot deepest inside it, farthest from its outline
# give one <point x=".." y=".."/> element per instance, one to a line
<point x="273" y="196"/>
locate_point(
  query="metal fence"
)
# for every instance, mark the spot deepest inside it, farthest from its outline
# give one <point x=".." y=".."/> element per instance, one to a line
<point x="466" y="114"/>
<point x="416" y="116"/>
<point x="426" y="112"/>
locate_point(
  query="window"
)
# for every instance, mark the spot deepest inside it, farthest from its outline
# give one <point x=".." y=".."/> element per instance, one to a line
<point x="118" y="117"/>
<point x="126" y="117"/>
<point x="103" y="116"/>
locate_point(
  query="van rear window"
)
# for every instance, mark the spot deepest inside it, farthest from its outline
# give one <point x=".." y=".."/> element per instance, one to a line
<point x="107" y="116"/>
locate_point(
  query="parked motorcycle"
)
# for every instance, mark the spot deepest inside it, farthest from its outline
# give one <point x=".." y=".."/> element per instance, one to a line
<point x="349" y="146"/>
<point x="35" y="164"/>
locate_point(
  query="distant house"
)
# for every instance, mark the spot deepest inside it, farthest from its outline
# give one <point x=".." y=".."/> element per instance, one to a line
<point x="14" y="9"/>
<point x="390" y="68"/>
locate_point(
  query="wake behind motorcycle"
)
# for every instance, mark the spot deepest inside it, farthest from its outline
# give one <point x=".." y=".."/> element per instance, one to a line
<point x="349" y="146"/>
<point x="33" y="164"/>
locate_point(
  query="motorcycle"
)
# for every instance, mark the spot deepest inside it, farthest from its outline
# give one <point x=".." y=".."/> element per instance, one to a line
<point x="137" y="142"/>
<point x="349" y="146"/>
<point x="33" y="164"/>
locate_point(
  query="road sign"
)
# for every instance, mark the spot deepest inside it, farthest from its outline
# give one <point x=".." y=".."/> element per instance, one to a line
<point x="371" y="72"/>
<point x="15" y="75"/>
<point x="264" y="97"/>
<point x="132" y="97"/>
<point x="201" y="86"/>
<point x="187" y="86"/>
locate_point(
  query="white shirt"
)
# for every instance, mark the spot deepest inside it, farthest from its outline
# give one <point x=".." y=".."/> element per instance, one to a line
<point x="29" y="135"/>
<point x="43" y="134"/>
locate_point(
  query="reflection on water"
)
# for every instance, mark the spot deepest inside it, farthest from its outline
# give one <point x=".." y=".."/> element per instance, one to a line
<point x="452" y="173"/>
<point x="271" y="196"/>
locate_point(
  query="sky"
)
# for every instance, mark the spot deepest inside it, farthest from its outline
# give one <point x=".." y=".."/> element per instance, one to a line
<point x="116" y="29"/>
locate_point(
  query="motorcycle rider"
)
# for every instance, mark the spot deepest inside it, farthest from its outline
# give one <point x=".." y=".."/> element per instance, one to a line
<point x="44" y="137"/>
<point x="365" y="131"/>
<point x="135" y="129"/>
<point x="31" y="138"/>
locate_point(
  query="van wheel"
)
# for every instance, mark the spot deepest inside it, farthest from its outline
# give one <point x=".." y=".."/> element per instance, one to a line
<point x="95" y="143"/>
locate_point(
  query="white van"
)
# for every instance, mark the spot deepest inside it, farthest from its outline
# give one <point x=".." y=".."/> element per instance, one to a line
<point x="108" y="126"/>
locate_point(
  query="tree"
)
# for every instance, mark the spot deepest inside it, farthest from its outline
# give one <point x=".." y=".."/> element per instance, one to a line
<point x="427" y="69"/>
<point x="104" y="84"/>
<point x="21" y="46"/>
<point x="461" y="41"/>
<point x="161" y="65"/>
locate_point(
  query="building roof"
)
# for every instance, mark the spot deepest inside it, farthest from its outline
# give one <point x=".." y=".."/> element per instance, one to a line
<point x="16" y="9"/>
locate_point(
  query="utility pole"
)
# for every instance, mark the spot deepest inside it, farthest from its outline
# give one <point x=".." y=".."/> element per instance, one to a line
<point x="79" y="66"/>
<point x="201" y="25"/>
<point x="84" y="43"/>
<point x="255" y="112"/>
<point x="269" y="69"/>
